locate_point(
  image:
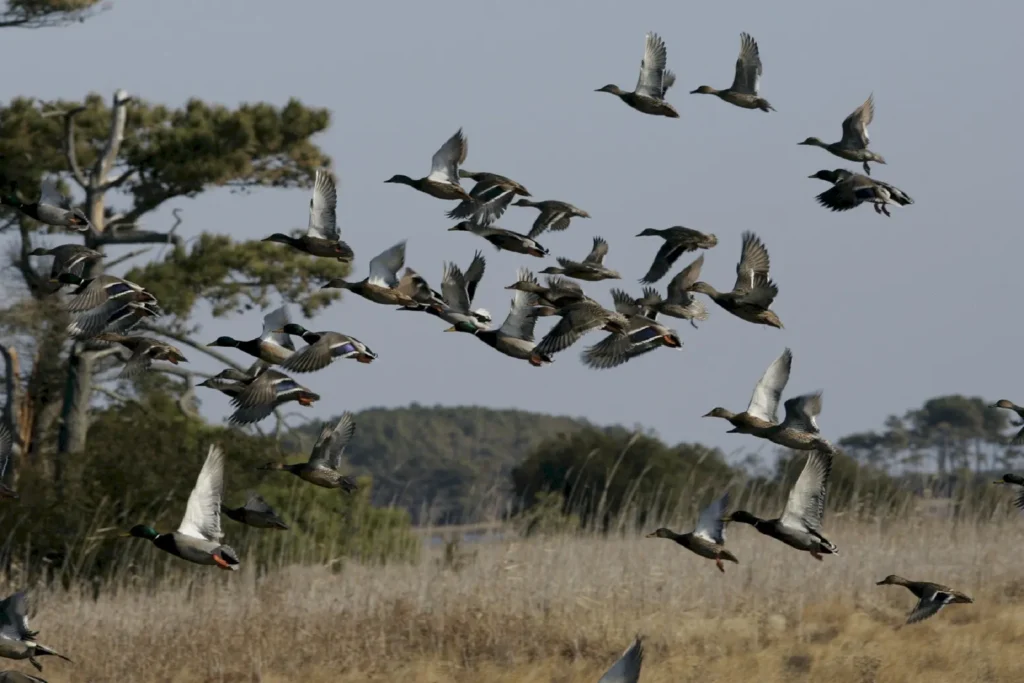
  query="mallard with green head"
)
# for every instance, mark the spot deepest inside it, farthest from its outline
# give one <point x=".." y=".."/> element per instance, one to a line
<point x="443" y="181"/>
<point x="322" y="348"/>
<point x="197" y="539"/>
<point x="271" y="346"/>
<point x="743" y="91"/>
<point x="53" y="208"/>
<point x="17" y="640"/>
<point x="752" y="295"/>
<point x="931" y="596"/>
<point x="708" y="537"/>
<point x="854" y="144"/>
<point x="655" y="80"/>
<point x="800" y="524"/>
<point x="322" y="237"/>
<point x="324" y="465"/>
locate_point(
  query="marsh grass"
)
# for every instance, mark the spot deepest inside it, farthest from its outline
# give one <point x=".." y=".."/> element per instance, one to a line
<point x="561" y="608"/>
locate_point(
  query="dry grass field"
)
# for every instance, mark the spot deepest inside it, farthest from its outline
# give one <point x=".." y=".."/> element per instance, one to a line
<point x="562" y="610"/>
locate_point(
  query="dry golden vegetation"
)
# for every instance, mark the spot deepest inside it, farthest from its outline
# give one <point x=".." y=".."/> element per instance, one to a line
<point x="562" y="609"/>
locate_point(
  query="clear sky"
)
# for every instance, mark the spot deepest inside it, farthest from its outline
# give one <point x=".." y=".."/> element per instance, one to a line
<point x="880" y="313"/>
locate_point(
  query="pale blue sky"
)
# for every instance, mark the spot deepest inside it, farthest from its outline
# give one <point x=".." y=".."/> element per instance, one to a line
<point x="880" y="313"/>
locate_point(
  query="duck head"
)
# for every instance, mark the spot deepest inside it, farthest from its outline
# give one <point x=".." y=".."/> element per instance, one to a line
<point x="812" y="141"/>
<point x="224" y="341"/>
<point x="612" y="88"/>
<point x="893" y="580"/>
<point x="142" y="531"/>
<point x="660" y="533"/>
<point x="649" y="232"/>
<point x="704" y="90"/>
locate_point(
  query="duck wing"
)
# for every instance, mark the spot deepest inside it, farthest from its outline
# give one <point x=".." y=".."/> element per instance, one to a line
<point x="805" y="507"/>
<point x="855" y="126"/>
<point x="474" y="274"/>
<point x="522" y="318"/>
<point x="332" y="442"/>
<point x="444" y="165"/>
<point x="764" y="403"/>
<point x="626" y="669"/>
<point x="752" y="270"/>
<point x="801" y="412"/>
<point x="929" y="604"/>
<point x="323" y="221"/>
<point x="273" y="321"/>
<point x="678" y="286"/>
<point x="654" y="78"/>
<point x="202" y="512"/>
<point x="384" y="266"/>
<point x="710" y="526"/>
<point x="454" y="289"/>
<point x="748" y="67"/>
<point x="577" y="319"/>
<point x="598" y="252"/>
<point x="14" y="617"/>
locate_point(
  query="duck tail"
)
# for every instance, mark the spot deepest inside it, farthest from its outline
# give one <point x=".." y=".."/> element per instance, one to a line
<point x="728" y="556"/>
<point x="349" y="485"/>
<point x="43" y="650"/>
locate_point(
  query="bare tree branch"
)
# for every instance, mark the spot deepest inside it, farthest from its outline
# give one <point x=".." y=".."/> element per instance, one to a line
<point x="118" y="181"/>
<point x="105" y="161"/>
<point x="135" y="237"/>
<point x="69" y="147"/>
<point x="130" y="255"/>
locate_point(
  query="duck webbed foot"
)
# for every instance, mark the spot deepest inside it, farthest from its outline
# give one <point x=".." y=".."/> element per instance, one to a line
<point x="867" y="169"/>
<point x="36" y="664"/>
<point x="816" y="556"/>
<point x="718" y="563"/>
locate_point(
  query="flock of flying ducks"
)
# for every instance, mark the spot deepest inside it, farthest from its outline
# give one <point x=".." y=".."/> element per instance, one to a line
<point x="104" y="309"/>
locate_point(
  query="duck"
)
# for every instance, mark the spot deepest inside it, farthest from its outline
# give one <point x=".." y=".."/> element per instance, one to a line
<point x="626" y="668"/>
<point x="6" y="450"/>
<point x="557" y="293"/>
<point x="1018" y="439"/>
<point x="591" y="268"/>
<point x="503" y="240"/>
<point x="144" y="350"/>
<point x="322" y="237"/>
<point x="743" y="91"/>
<point x="515" y="336"/>
<point x="490" y="197"/>
<point x="854" y="144"/>
<point x="655" y="80"/>
<point x="578" y="319"/>
<point x="456" y="297"/>
<point x="678" y="241"/>
<point x="53" y="208"/>
<point x="232" y="381"/>
<point x="1014" y="480"/>
<point x="708" y="537"/>
<point x="17" y="640"/>
<point x="94" y="301"/>
<point x="255" y="513"/>
<point x="198" y="538"/>
<point x="382" y="285"/>
<point x="679" y="303"/>
<point x="128" y="318"/>
<point x="644" y="334"/>
<point x="800" y="524"/>
<point x="68" y="258"/>
<point x="931" y="596"/>
<point x="323" y="467"/>
<point x="762" y="411"/>
<point x="271" y="346"/>
<point x="322" y="348"/>
<point x="485" y="177"/>
<point x="799" y="429"/>
<point x="443" y="181"/>
<point x="752" y="295"/>
<point x="263" y="394"/>
<point x="554" y="215"/>
<point x="850" y="190"/>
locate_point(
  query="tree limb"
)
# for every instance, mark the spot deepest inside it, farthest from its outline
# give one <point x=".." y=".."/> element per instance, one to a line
<point x="118" y="181"/>
<point x="105" y="161"/>
<point x="136" y="237"/>
<point x="69" y="147"/>
<point x="130" y="255"/>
